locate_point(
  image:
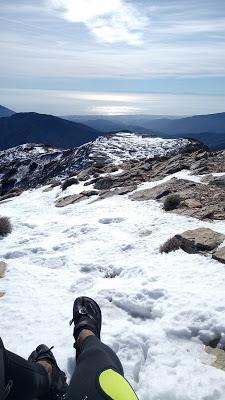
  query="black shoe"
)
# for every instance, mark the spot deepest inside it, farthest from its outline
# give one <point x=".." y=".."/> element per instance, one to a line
<point x="58" y="388"/>
<point x="86" y="315"/>
<point x="5" y="385"/>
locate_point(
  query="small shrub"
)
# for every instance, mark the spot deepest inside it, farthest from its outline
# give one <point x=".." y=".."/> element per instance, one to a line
<point x="5" y="226"/>
<point x="171" y="244"/>
<point x="69" y="182"/>
<point x="171" y="202"/>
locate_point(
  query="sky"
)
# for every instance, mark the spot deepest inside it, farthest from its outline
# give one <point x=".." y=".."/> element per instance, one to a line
<point x="113" y="56"/>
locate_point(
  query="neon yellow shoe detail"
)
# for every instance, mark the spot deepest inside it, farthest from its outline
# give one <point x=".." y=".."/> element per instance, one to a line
<point x="116" y="386"/>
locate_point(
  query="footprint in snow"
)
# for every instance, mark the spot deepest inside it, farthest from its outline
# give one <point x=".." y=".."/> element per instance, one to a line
<point x="14" y="254"/>
<point x="107" y="221"/>
<point x="144" y="305"/>
<point x="82" y="284"/>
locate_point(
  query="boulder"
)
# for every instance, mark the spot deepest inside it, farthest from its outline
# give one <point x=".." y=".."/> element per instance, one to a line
<point x="2" y="294"/>
<point x="119" y="191"/>
<point x="3" y="266"/>
<point x="89" y="193"/>
<point x="158" y="192"/>
<point x="104" y="183"/>
<point x="69" y="182"/>
<point x="219" y="255"/>
<point x="84" y="175"/>
<point x="201" y="239"/>
<point x="75" y="198"/>
<point x="66" y="201"/>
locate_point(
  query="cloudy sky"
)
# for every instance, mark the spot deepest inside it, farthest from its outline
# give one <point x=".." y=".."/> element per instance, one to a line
<point x="113" y="56"/>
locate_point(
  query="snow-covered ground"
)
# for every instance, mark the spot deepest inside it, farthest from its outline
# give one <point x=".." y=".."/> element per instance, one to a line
<point x="124" y="146"/>
<point x="26" y="150"/>
<point x="156" y="307"/>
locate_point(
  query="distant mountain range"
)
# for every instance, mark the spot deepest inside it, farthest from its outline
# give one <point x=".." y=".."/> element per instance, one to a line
<point x="5" y="112"/>
<point x="210" y="129"/>
<point x="110" y="124"/>
<point x="73" y="131"/>
<point x="23" y="128"/>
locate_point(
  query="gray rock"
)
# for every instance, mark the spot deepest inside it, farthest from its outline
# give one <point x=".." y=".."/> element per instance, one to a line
<point x="69" y="182"/>
<point x="192" y="203"/>
<point x="89" y="193"/>
<point x="66" y="201"/>
<point x="201" y="155"/>
<point x="119" y="191"/>
<point x="2" y="294"/>
<point x="104" y="183"/>
<point x="160" y="191"/>
<point x="84" y="175"/>
<point x="10" y="195"/>
<point x="219" y="255"/>
<point x="198" y="164"/>
<point x="217" y="181"/>
<point x="3" y="266"/>
<point x="75" y="198"/>
<point x="146" y="166"/>
<point x="201" y="239"/>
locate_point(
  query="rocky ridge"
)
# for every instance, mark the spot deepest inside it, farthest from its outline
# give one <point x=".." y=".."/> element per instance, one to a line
<point x="107" y="173"/>
<point x="30" y="166"/>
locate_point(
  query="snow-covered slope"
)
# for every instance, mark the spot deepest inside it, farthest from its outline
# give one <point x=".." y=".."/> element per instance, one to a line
<point x="125" y="146"/>
<point x="156" y="308"/>
<point x="25" y="151"/>
<point x="30" y="165"/>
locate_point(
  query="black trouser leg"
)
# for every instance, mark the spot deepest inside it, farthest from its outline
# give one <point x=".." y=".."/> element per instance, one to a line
<point x="94" y="358"/>
<point x="30" y="380"/>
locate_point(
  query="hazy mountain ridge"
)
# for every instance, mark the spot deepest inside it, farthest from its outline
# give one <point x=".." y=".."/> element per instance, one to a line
<point x="5" y="112"/>
<point x="208" y="128"/>
<point x="22" y="128"/>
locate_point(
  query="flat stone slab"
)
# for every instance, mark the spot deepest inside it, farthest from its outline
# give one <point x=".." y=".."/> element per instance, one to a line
<point x="201" y="239"/>
<point x="72" y="199"/>
<point x="203" y="201"/>
<point x="219" y="357"/>
<point x="219" y="255"/>
<point x="3" y="266"/>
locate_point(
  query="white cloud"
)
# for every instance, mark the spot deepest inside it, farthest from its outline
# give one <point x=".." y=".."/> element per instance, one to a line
<point x="111" y="21"/>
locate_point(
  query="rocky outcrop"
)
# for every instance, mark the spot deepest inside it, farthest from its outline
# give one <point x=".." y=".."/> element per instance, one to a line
<point x="197" y="200"/>
<point x="75" y="198"/>
<point x="30" y="166"/>
<point x="202" y="239"/>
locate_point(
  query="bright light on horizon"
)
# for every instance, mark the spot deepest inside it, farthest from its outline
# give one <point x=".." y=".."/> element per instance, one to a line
<point x="58" y="102"/>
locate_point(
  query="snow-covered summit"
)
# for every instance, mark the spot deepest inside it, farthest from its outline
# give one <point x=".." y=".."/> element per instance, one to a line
<point x="30" y="165"/>
<point x="124" y="146"/>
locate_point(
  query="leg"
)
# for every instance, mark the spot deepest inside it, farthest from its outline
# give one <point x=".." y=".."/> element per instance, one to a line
<point x="99" y="373"/>
<point x="30" y="380"/>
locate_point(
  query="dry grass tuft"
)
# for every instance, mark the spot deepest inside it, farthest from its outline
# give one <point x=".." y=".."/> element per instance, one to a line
<point x="171" y="202"/>
<point x="171" y="244"/>
<point x="5" y="226"/>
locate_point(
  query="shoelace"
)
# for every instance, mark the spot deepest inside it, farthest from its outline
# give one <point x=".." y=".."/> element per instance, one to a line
<point x="44" y="352"/>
